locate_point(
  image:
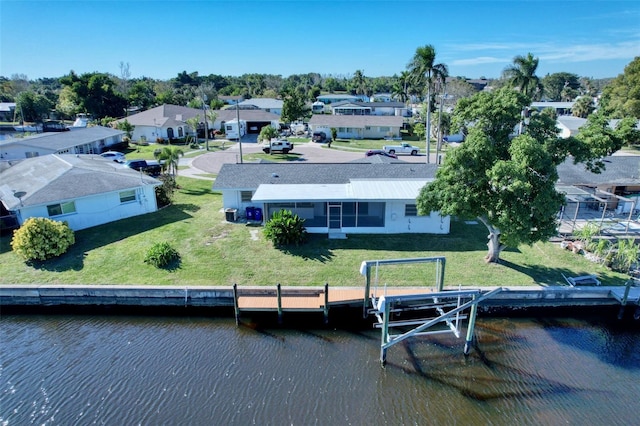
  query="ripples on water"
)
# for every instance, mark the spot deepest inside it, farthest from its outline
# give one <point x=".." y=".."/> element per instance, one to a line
<point x="154" y="370"/>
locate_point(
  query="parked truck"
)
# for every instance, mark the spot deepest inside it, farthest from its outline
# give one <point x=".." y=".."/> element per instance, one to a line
<point x="151" y="168"/>
<point x="403" y="148"/>
<point x="277" y="145"/>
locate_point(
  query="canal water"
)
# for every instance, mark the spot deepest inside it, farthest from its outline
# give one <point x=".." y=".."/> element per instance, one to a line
<point x="152" y="370"/>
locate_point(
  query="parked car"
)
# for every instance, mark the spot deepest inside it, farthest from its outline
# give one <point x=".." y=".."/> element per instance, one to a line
<point x="319" y="137"/>
<point x="379" y="152"/>
<point x="114" y="155"/>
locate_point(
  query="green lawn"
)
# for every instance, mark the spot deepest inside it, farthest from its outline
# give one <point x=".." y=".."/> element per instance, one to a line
<point x="214" y="252"/>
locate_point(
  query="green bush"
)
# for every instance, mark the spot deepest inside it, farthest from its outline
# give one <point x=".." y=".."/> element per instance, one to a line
<point x="285" y="228"/>
<point x="161" y="254"/>
<point x="40" y="238"/>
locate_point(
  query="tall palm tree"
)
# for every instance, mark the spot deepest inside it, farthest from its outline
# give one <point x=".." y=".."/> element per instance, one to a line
<point x="170" y="155"/>
<point x="424" y="68"/>
<point x="522" y="75"/>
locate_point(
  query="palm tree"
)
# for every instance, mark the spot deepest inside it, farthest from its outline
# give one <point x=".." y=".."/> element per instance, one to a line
<point x="424" y="68"/>
<point x="522" y="75"/>
<point x="170" y="155"/>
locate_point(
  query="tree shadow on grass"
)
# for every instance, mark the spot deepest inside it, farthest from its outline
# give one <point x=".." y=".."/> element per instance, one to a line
<point x="547" y="276"/>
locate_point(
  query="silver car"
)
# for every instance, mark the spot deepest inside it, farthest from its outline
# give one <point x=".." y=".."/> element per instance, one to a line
<point x="114" y="155"/>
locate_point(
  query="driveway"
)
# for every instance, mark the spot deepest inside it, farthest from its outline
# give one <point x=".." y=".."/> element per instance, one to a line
<point x="311" y="152"/>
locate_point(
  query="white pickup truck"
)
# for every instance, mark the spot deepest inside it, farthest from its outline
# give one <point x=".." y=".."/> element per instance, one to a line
<point x="279" y="145"/>
<point x="403" y="148"/>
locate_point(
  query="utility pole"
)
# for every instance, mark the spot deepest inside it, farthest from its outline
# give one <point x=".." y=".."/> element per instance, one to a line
<point x="238" y="120"/>
<point x="206" y="128"/>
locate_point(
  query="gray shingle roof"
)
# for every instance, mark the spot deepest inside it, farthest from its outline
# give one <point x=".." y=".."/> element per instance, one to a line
<point x="620" y="170"/>
<point x="59" y="177"/>
<point x="164" y="115"/>
<point x="65" y="140"/>
<point x="251" y="175"/>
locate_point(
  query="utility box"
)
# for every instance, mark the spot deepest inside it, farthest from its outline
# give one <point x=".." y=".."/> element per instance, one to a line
<point x="231" y="215"/>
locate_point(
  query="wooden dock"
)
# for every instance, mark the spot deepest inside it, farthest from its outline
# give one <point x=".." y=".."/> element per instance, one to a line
<point x="301" y="299"/>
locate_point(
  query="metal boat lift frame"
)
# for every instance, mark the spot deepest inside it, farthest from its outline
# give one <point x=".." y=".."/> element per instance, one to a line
<point x="437" y="301"/>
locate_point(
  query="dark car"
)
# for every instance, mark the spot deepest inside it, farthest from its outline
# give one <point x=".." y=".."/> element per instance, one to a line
<point x="379" y="152"/>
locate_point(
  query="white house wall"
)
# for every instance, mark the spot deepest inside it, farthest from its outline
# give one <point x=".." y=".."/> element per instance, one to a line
<point x="99" y="209"/>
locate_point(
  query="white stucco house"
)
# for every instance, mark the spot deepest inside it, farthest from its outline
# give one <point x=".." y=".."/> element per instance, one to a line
<point x="165" y="121"/>
<point x="368" y="197"/>
<point x="358" y="126"/>
<point x="369" y="108"/>
<point x="83" y="190"/>
<point x="89" y="140"/>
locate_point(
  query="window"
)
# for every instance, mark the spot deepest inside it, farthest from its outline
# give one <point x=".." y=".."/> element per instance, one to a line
<point x="180" y="132"/>
<point x="385" y="128"/>
<point x="127" y="196"/>
<point x="245" y="196"/>
<point x="410" y="210"/>
<point x="62" y="208"/>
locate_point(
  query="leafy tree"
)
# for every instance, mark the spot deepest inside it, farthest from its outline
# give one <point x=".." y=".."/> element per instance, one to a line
<point x="285" y="228"/>
<point x="423" y="68"/>
<point x="127" y="127"/>
<point x="96" y="94"/>
<point x="507" y="183"/>
<point x="267" y="133"/>
<point x="170" y="156"/>
<point x="293" y="106"/>
<point x="555" y="83"/>
<point x="583" y="107"/>
<point x="627" y="130"/>
<point x="32" y="106"/>
<point x="40" y="238"/>
<point x="141" y="94"/>
<point x="194" y="122"/>
<point x="522" y="75"/>
<point x="622" y="96"/>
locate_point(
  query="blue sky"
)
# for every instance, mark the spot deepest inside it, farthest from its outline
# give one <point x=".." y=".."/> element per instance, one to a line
<point x="159" y="39"/>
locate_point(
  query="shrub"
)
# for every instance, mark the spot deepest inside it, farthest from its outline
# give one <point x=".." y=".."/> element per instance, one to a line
<point x="164" y="192"/>
<point x="161" y="254"/>
<point x="40" y="238"/>
<point x="285" y="228"/>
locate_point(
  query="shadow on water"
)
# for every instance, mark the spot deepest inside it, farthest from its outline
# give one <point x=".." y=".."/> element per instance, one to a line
<point x="481" y="381"/>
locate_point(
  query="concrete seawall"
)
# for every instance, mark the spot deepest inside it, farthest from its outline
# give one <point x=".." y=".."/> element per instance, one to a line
<point x="174" y="296"/>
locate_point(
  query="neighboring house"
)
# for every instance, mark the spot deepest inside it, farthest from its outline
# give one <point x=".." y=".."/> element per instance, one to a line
<point x="231" y="100"/>
<point x="617" y="187"/>
<point x="382" y="97"/>
<point x="369" y="108"/>
<point x="165" y="121"/>
<point x="348" y="198"/>
<point x="358" y="126"/>
<point x="89" y="140"/>
<point x="83" y="190"/>
<point x="264" y="104"/>
<point x="569" y="125"/>
<point x="255" y="119"/>
<point x="561" y="108"/>
<point x="333" y="98"/>
<point x="7" y="111"/>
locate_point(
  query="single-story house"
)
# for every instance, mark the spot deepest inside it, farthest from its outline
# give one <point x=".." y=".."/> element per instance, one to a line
<point x="347" y="198"/>
<point x="264" y="104"/>
<point x="569" y="125"/>
<point x="255" y="119"/>
<point x="7" y="111"/>
<point x="369" y="108"/>
<point x="561" y="108"/>
<point x="617" y="187"/>
<point x="89" y="140"/>
<point x="83" y="190"/>
<point x="358" y="126"/>
<point x="165" y="121"/>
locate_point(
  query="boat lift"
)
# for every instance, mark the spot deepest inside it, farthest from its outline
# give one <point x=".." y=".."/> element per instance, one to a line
<point x="445" y="308"/>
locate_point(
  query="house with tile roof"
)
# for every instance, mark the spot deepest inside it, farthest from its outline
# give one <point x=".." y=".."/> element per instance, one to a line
<point x="337" y="199"/>
<point x="358" y="126"/>
<point x="88" y="140"/>
<point x="83" y="190"/>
